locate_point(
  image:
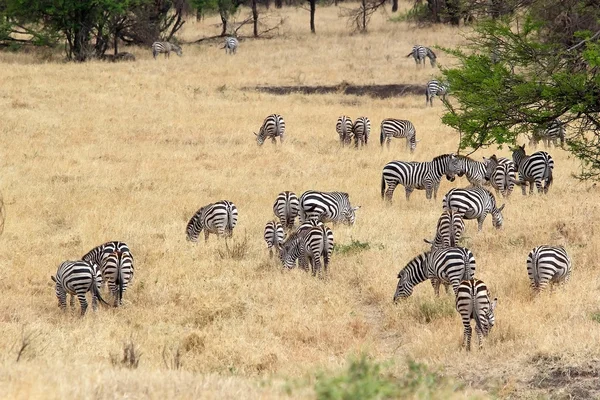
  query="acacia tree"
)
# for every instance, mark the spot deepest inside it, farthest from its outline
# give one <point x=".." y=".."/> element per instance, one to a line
<point x="538" y="72"/>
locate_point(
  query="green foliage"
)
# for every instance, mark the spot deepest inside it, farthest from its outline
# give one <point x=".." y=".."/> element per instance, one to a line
<point x="431" y="310"/>
<point x="596" y="316"/>
<point x="364" y="380"/>
<point x="354" y="247"/>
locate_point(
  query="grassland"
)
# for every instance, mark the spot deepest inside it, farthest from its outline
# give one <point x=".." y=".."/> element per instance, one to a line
<point x="97" y="151"/>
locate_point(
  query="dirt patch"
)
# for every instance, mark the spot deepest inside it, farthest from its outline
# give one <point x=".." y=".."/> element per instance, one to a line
<point x="562" y="380"/>
<point x="375" y="91"/>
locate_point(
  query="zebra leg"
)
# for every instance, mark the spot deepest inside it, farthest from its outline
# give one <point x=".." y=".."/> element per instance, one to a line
<point x="408" y="191"/>
<point x="480" y="221"/>
<point x="206" y="233"/>
<point x="388" y="141"/>
<point x="447" y="288"/>
<point x="72" y="301"/>
<point x="435" y="282"/>
<point x="281" y="138"/>
<point x="62" y="301"/>
<point x="94" y="302"/>
<point x="479" y="337"/>
<point x="538" y="185"/>
<point x="270" y="252"/>
<point x="82" y="302"/>
<point x="467" y="336"/>
<point x="390" y="192"/>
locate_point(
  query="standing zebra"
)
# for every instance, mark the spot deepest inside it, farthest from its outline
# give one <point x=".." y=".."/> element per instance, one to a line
<point x="420" y="52"/>
<point x="231" y="45"/>
<point x="273" y="235"/>
<point x="286" y="208"/>
<point x="361" y="131"/>
<point x="272" y="127"/>
<point x="449" y="230"/>
<point x="435" y="88"/>
<point x="536" y="168"/>
<point x="398" y="128"/>
<point x="327" y="207"/>
<point x="416" y="175"/>
<point x="344" y="128"/>
<point x="217" y="218"/>
<point x="116" y="265"/>
<point x="475" y="171"/>
<point x="307" y="245"/>
<point x="448" y="265"/>
<point x="548" y="265"/>
<point x="473" y="302"/>
<point x="76" y="278"/>
<point x="475" y="203"/>
<point x="165" y="47"/>
<point x="553" y="133"/>
<point x="501" y="173"/>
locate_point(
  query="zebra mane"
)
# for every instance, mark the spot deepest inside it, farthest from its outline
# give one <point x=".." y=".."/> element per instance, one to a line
<point x="419" y="259"/>
<point x="443" y="157"/>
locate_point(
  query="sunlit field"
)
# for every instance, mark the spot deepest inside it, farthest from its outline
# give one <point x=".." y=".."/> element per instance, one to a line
<point x="98" y="151"/>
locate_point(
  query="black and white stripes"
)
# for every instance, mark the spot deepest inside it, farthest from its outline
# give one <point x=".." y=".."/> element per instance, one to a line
<point x="231" y="45"/>
<point x="473" y="302"/>
<point x="327" y="207"/>
<point x="76" y="278"/>
<point x="274" y="235"/>
<point x="217" y="218"/>
<point x="435" y="88"/>
<point x="272" y="127"/>
<point x="344" y="129"/>
<point x="286" y="208"/>
<point x="536" y="168"/>
<point x="398" y="128"/>
<point x="166" y="48"/>
<point x="420" y="52"/>
<point x="501" y="173"/>
<point x="548" y="265"/>
<point x="554" y="132"/>
<point x="361" y="131"/>
<point x="474" y="203"/>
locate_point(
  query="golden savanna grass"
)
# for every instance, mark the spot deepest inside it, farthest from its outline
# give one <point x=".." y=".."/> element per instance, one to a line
<point x="95" y="152"/>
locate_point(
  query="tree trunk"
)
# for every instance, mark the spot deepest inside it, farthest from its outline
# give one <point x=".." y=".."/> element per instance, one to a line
<point x="364" y="16"/>
<point x="255" y="18"/>
<point x="224" y="21"/>
<point x="278" y="3"/>
<point x="394" y="5"/>
<point x="313" y="5"/>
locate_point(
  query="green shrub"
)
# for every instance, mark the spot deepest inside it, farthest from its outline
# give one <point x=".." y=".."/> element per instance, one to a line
<point x="355" y="246"/>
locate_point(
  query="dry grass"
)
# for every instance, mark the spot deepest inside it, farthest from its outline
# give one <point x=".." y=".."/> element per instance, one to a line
<point x="95" y="152"/>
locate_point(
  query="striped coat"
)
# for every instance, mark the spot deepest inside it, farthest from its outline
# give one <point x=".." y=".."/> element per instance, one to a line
<point x="473" y="302"/>
<point x="217" y="218"/>
<point x="535" y="168"/>
<point x="548" y="265"/>
<point x="76" y="278"/>
<point x="166" y="48"/>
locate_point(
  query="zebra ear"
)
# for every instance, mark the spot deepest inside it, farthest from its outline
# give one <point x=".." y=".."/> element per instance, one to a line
<point x="501" y="207"/>
<point x="428" y="241"/>
<point x="255" y="134"/>
<point x="53" y="278"/>
<point x="494" y="304"/>
<point x="355" y="208"/>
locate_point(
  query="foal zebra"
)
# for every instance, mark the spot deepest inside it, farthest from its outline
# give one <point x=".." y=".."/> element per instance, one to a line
<point x="115" y="262"/>
<point x="448" y="265"/>
<point x="166" y="48"/>
<point x="435" y="88"/>
<point x="327" y="207"/>
<point x="420" y="52"/>
<point x="231" y="45"/>
<point x="344" y="129"/>
<point x="548" y="265"/>
<point x="474" y="203"/>
<point x="272" y="127"/>
<point x="474" y="170"/>
<point x="274" y="235"/>
<point x="217" y="218"/>
<point x="536" y="168"/>
<point x="76" y="278"/>
<point x="286" y="208"/>
<point x="416" y="175"/>
<point x="553" y="133"/>
<point x="449" y="230"/>
<point x="501" y="173"/>
<point x="473" y="302"/>
<point x="361" y="131"/>
<point x="398" y="128"/>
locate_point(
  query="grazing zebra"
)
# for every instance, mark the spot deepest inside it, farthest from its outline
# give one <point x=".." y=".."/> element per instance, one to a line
<point x="416" y="175"/>
<point x="448" y="265"/>
<point x="76" y="278"/>
<point x="307" y="245"/>
<point x="272" y="127"/>
<point x="473" y="302"/>
<point x="115" y="262"/>
<point x="398" y="128"/>
<point x="435" y="88"/>
<point x="553" y="133"/>
<point x="327" y="207"/>
<point x="344" y="128"/>
<point x="286" y="208"/>
<point x="217" y="218"/>
<point x="536" y="168"/>
<point x="501" y="173"/>
<point x="474" y="170"/>
<point x="165" y="47"/>
<point x="231" y="45"/>
<point x="420" y="52"/>
<point x="474" y="203"/>
<point x="274" y="235"/>
<point x="361" y="131"/>
<point x="548" y="264"/>
<point x="450" y="228"/>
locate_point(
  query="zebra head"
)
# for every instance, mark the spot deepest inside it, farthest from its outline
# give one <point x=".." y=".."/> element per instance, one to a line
<point x="497" y="218"/>
<point x="350" y="215"/>
<point x="409" y="276"/>
<point x="458" y="166"/>
<point x="447" y="160"/>
<point x="518" y="154"/>
<point x="260" y="136"/>
<point x="194" y="227"/>
<point x="177" y="49"/>
<point x="490" y="317"/>
<point x="490" y="167"/>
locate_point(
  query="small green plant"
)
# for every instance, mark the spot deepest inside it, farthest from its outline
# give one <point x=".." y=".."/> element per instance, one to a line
<point x="430" y="310"/>
<point x="596" y="316"/>
<point x="355" y="246"/>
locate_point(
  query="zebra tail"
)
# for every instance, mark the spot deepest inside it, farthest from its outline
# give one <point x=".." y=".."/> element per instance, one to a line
<point x="120" y="281"/>
<point x="467" y="273"/>
<point x="549" y="177"/>
<point x="229" y="227"/>
<point x="382" y="186"/>
<point x="409" y="54"/>
<point x="478" y="316"/>
<point x="96" y="292"/>
<point x="381" y="136"/>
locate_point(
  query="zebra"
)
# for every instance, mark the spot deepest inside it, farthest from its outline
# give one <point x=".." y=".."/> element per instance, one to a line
<point x="548" y="265"/>
<point x="447" y="265"/>
<point x="231" y="45"/>
<point x="535" y="168"/>
<point x="553" y="133"/>
<point x="398" y="128"/>
<point x="435" y="88"/>
<point x="273" y="235"/>
<point x="272" y="127"/>
<point x="307" y="245"/>
<point x="501" y="173"/>
<point x="449" y="230"/>
<point x="76" y="278"/>
<point x="361" y="131"/>
<point x="290" y="251"/>
<point x="420" y="52"/>
<point x="416" y="175"/>
<point x="165" y="47"/>
<point x="286" y="208"/>
<point x="327" y="207"/>
<point x="473" y="302"/>
<point x="475" y="203"/>
<point x="116" y="266"/>
<point x="475" y="171"/>
<point x="217" y="218"/>
<point x="344" y="128"/>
